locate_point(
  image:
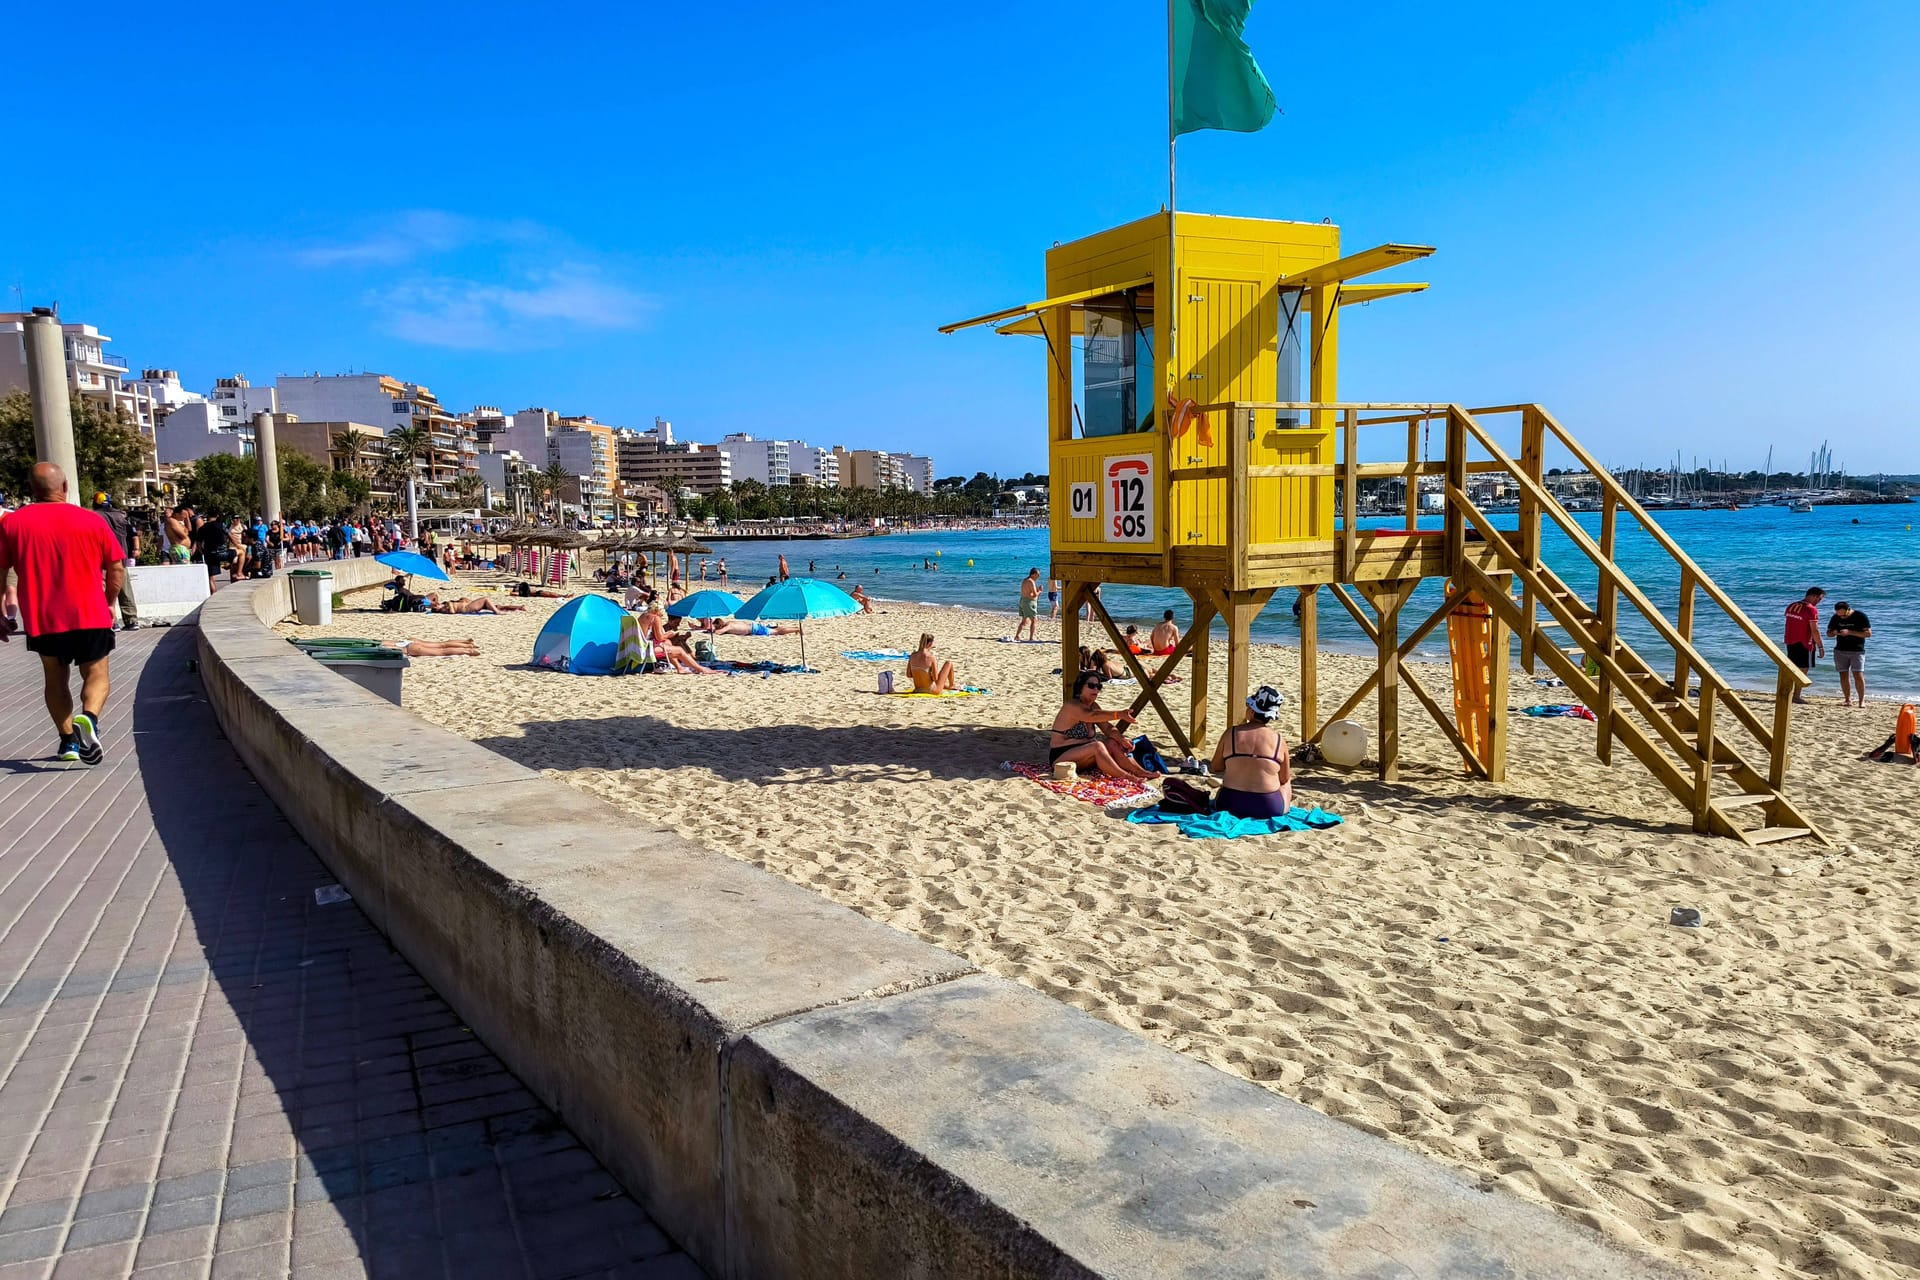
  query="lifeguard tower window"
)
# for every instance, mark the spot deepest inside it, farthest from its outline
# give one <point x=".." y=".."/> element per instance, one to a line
<point x="1295" y="328"/>
<point x="1116" y="364"/>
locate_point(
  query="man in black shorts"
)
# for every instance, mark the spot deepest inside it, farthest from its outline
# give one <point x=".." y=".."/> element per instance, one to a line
<point x="1803" y="633"/>
<point x="215" y="545"/>
<point x="68" y="563"/>
<point x="1849" y="629"/>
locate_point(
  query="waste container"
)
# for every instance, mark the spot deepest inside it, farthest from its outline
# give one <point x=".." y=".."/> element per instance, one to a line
<point x="375" y="670"/>
<point x="312" y="597"/>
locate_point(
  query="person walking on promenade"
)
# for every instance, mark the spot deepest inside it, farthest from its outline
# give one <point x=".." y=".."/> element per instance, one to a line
<point x="69" y="564"/>
<point x="129" y="540"/>
<point x="178" y="528"/>
<point x="1803" y="633"/>
<point x="1029" y="606"/>
<point x="1850" y="628"/>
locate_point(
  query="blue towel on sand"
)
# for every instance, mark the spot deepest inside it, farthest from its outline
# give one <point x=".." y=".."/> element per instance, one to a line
<point x="1224" y="826"/>
<point x="875" y="655"/>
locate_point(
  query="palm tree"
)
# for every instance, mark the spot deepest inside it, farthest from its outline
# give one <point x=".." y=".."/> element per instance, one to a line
<point x="467" y="487"/>
<point x="554" y="479"/>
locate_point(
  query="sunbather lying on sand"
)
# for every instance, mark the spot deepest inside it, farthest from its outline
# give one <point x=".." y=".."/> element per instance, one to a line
<point x="435" y="648"/>
<point x="741" y="627"/>
<point x="473" y="604"/>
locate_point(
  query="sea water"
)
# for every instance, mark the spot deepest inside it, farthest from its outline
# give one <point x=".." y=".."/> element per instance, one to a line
<point x="1763" y="557"/>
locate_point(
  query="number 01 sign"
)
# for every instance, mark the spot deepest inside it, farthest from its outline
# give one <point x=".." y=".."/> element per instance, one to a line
<point x="1128" y="498"/>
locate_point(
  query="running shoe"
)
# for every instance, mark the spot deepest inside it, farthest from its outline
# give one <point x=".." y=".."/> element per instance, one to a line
<point x="69" y="749"/>
<point x="87" y="729"/>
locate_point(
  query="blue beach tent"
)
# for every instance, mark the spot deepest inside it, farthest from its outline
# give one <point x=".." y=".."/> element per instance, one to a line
<point x="582" y="637"/>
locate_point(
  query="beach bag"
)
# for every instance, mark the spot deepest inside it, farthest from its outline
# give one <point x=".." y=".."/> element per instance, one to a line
<point x="703" y="650"/>
<point x="1147" y="756"/>
<point x="886" y="682"/>
<point x="1177" y="796"/>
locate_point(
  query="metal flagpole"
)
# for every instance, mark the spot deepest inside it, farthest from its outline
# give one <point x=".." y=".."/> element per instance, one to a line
<point x="1166" y="302"/>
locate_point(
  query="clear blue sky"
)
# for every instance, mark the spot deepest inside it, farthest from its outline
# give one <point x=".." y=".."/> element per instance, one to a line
<point x="1677" y="225"/>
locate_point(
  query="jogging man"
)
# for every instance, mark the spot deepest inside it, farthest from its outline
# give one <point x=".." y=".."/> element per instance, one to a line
<point x="69" y="563"/>
<point x="1803" y="632"/>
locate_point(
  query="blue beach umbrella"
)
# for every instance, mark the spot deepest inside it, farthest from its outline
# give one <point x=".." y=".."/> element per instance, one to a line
<point x="413" y="564"/>
<point x="705" y="604"/>
<point x="796" y="600"/>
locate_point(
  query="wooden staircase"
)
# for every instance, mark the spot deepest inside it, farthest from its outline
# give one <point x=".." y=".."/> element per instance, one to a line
<point x="1681" y="736"/>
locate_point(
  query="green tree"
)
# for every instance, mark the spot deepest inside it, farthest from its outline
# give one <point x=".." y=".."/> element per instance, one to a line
<point x="219" y="484"/>
<point x="107" y="447"/>
<point x="467" y="487"/>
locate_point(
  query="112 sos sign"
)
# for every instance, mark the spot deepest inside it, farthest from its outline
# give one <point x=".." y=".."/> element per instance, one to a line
<point x="1127" y="495"/>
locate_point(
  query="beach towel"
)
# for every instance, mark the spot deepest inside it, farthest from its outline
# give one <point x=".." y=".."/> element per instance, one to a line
<point x="635" y="653"/>
<point x="875" y="655"/>
<point x="1094" y="788"/>
<point x="1224" y="826"/>
<point x="1555" y="710"/>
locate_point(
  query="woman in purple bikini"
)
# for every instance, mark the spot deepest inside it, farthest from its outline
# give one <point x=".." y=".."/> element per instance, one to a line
<point x="1256" y="777"/>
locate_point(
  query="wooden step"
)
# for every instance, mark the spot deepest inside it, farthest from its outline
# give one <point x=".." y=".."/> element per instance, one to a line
<point x="1744" y="800"/>
<point x="1769" y="835"/>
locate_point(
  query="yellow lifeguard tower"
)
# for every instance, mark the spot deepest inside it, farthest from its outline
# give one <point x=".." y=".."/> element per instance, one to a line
<point x="1197" y="440"/>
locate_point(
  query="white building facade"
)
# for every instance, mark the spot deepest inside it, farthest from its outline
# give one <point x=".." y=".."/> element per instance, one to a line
<point x="917" y="470"/>
<point x="195" y="431"/>
<point x="768" y="461"/>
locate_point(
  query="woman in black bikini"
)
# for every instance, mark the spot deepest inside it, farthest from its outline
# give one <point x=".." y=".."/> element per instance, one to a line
<point x="1083" y="734"/>
<point x="1255" y="775"/>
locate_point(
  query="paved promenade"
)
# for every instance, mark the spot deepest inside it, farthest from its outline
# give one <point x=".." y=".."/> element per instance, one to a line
<point x="204" y="1072"/>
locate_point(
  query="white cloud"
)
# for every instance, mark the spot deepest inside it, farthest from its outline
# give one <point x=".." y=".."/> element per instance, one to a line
<point x="479" y="284"/>
<point x="474" y="315"/>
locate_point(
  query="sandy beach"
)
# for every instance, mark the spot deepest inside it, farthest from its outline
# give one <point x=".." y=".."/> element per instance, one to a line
<point x="1482" y="973"/>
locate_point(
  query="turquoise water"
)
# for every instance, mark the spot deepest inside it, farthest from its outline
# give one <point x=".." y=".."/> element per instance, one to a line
<point x="1764" y="557"/>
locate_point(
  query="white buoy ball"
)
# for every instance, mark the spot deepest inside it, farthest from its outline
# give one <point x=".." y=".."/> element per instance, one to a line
<point x="1344" y="743"/>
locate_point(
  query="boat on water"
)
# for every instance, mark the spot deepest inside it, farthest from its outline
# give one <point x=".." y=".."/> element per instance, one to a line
<point x="1800" y="505"/>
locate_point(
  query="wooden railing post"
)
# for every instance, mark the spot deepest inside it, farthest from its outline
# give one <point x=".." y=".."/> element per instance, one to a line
<point x="1607" y="629"/>
<point x="1349" y="495"/>
<point x="1455" y="522"/>
<point x="1682" y="673"/>
<point x="1533" y="432"/>
<point x="1782" y="727"/>
<point x="1413" y="477"/>
<point x="1703" y="771"/>
<point x="1239" y="421"/>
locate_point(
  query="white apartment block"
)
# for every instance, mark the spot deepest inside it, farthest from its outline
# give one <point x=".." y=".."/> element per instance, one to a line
<point x="768" y="461"/>
<point x="917" y="469"/>
<point x="527" y="433"/>
<point x="157" y="393"/>
<point x="820" y="466"/>
<point x="385" y="403"/>
<point x="236" y="401"/>
<point x="195" y="431"/>
<point x="587" y="452"/>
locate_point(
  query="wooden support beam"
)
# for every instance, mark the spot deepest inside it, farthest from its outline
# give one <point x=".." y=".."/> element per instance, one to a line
<point x="1239" y="608"/>
<point x="1199" y="636"/>
<point x="1703" y="767"/>
<point x="1349" y="495"/>
<point x="1681" y="673"/>
<point x="1782" y="726"/>
<point x="1606" y="629"/>
<point x="1150" y="681"/>
<point x="1407" y="646"/>
<point x="1391" y="595"/>
<point x="1071" y="596"/>
<point x="1309" y="662"/>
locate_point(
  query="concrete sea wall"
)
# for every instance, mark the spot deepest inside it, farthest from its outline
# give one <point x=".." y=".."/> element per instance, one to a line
<point x="794" y="1090"/>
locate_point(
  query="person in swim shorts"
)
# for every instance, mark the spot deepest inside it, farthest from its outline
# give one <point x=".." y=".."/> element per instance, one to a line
<point x="1029" y="606"/>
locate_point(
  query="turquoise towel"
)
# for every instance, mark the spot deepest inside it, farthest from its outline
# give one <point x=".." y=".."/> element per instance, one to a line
<point x="1224" y="826"/>
<point x="875" y="655"/>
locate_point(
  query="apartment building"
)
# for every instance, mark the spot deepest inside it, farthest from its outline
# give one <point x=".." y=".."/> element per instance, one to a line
<point x="376" y="399"/>
<point x="917" y="469"/>
<point x="92" y="375"/>
<point x="235" y="400"/>
<point x="338" y="446"/>
<point x="198" y="430"/>
<point x="504" y="472"/>
<point x="488" y="425"/>
<point x="869" y="469"/>
<point x="814" y="466"/>
<point x="653" y="457"/>
<point x="768" y="461"/>
<point x="585" y="449"/>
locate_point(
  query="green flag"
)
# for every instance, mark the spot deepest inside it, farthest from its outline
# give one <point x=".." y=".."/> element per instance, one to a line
<point x="1216" y="82"/>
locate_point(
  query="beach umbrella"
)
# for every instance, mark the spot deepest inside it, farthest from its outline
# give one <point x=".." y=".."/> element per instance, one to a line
<point x="705" y="604"/>
<point x="413" y="564"/>
<point x="796" y="600"/>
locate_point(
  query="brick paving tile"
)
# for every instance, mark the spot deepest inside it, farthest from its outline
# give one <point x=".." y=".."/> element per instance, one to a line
<point x="205" y="1074"/>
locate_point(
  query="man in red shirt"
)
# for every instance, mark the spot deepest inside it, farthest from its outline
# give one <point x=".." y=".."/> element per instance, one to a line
<point x="1803" y="632"/>
<point x="68" y="562"/>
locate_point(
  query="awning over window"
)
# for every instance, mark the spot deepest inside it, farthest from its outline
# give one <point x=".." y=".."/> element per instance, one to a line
<point x="1035" y="308"/>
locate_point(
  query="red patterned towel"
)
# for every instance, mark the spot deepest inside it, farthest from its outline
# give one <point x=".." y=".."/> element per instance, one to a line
<point x="1094" y="788"/>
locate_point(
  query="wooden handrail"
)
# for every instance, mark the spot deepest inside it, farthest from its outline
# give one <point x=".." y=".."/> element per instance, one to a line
<point x="1672" y="548"/>
<point x="1624" y="584"/>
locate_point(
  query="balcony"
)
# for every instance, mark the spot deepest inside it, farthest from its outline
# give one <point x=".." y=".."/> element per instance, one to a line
<point x="112" y="362"/>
